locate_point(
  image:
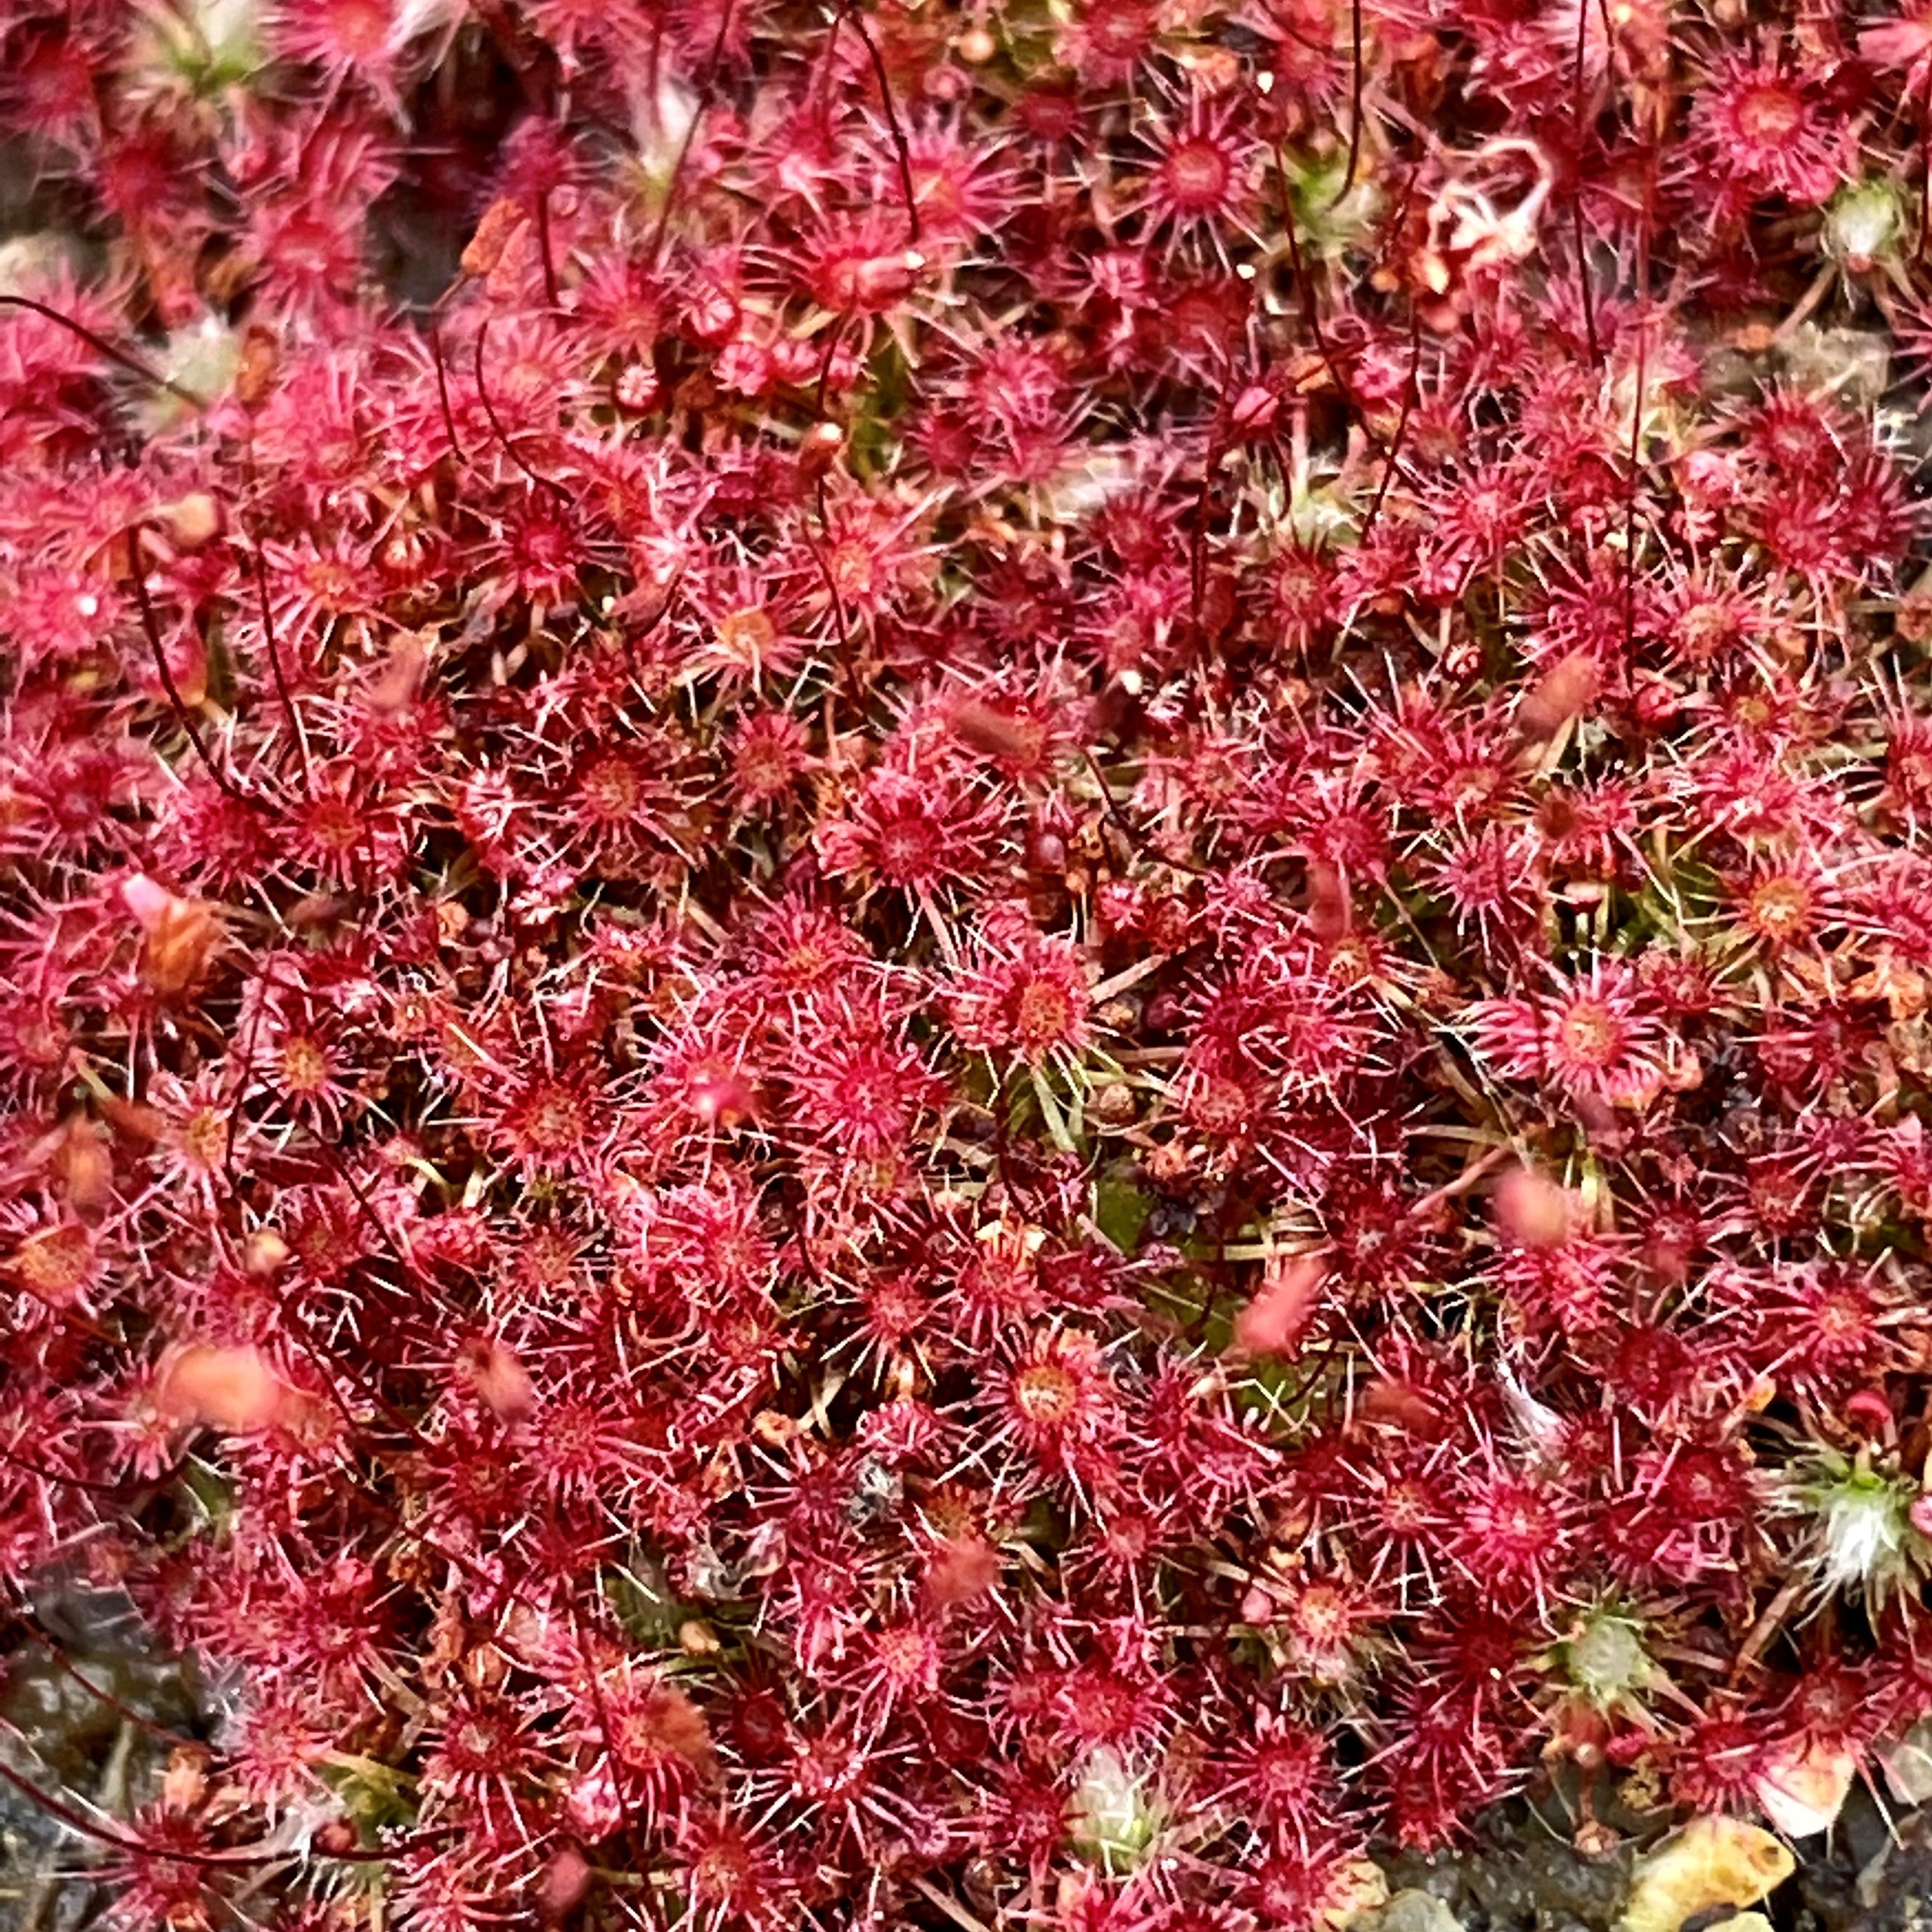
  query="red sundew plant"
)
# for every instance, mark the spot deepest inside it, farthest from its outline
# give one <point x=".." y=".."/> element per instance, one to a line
<point x="961" y="964"/>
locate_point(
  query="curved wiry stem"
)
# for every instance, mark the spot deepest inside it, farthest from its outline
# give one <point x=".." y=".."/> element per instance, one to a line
<point x="900" y="150"/>
<point x="151" y="624"/>
<point x="102" y="347"/>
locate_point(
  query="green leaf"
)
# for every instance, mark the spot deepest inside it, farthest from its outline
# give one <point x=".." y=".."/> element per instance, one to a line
<point x="1120" y="1211"/>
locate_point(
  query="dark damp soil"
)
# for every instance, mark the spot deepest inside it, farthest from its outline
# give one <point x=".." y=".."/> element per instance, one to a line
<point x="1521" y="1875"/>
<point x="88" y="1711"/>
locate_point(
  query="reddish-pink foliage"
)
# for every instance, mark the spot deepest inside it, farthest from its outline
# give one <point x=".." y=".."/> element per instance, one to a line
<point x="959" y="959"/>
